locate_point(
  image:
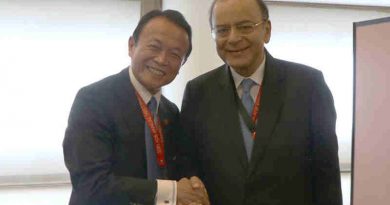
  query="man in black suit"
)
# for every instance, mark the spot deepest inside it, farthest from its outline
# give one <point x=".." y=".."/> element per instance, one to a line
<point x="263" y="129"/>
<point x="123" y="134"/>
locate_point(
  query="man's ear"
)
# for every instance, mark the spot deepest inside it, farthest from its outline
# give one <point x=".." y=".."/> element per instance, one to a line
<point x="267" y="34"/>
<point x="132" y="46"/>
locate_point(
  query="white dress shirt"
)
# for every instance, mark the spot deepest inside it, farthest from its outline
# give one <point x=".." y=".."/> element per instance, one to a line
<point x="257" y="77"/>
<point x="166" y="189"/>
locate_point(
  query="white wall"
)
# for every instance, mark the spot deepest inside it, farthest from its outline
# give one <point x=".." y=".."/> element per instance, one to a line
<point x="48" y="50"/>
<point x="319" y="36"/>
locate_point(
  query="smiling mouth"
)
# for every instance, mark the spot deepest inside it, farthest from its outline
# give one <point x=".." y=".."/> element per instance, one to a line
<point x="155" y="71"/>
<point x="238" y="50"/>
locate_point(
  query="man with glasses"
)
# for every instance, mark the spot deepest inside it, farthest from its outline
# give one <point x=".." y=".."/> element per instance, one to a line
<point x="263" y="129"/>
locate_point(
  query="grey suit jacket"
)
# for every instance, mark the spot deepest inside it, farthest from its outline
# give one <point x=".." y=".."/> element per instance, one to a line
<point x="104" y="144"/>
<point x="295" y="153"/>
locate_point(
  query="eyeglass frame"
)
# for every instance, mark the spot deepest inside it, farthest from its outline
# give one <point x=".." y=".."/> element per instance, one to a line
<point x="253" y="26"/>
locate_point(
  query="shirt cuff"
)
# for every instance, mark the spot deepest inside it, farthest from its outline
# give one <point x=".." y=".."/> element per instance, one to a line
<point x="166" y="192"/>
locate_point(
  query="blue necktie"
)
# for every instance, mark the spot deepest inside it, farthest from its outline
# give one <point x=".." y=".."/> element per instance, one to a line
<point x="248" y="103"/>
<point x="246" y="95"/>
<point x="153" y="169"/>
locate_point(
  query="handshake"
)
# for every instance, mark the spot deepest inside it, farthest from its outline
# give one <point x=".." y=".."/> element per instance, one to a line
<point x="192" y="192"/>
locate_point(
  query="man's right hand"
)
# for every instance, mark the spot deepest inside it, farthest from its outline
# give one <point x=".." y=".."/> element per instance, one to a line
<point x="188" y="194"/>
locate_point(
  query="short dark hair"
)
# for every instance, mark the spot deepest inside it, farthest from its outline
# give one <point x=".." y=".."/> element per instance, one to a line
<point x="171" y="15"/>
<point x="263" y="8"/>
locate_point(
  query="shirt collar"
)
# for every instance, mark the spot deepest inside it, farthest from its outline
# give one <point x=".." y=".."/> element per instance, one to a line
<point x="142" y="91"/>
<point x="257" y="76"/>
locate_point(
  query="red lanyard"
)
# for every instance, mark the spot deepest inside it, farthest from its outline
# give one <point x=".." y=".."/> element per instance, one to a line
<point x="256" y="108"/>
<point x="156" y="131"/>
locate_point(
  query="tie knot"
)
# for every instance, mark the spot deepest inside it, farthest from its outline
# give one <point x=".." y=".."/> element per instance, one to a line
<point x="247" y="84"/>
<point x="152" y="105"/>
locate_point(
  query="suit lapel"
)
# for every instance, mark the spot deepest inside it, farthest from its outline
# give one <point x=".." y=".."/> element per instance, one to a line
<point x="166" y="120"/>
<point x="130" y="119"/>
<point x="131" y="114"/>
<point x="231" y="131"/>
<point x="271" y="103"/>
<point x="131" y="110"/>
<point x="169" y="124"/>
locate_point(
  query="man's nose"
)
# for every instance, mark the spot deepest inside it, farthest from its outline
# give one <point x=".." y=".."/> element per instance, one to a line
<point x="162" y="58"/>
<point x="234" y="35"/>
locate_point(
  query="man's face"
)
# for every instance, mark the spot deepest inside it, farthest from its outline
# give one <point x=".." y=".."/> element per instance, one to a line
<point x="243" y="52"/>
<point x="159" y="53"/>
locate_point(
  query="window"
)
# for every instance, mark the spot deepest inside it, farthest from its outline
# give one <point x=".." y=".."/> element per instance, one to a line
<point x="49" y="50"/>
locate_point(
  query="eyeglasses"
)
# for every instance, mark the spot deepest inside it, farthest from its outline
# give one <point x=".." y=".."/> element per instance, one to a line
<point x="221" y="32"/>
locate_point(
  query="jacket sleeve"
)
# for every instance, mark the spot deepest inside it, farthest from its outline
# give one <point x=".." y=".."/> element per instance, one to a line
<point x="324" y="147"/>
<point x="88" y="154"/>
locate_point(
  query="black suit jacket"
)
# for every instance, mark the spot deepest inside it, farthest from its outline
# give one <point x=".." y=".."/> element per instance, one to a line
<point x="104" y="145"/>
<point x="295" y="153"/>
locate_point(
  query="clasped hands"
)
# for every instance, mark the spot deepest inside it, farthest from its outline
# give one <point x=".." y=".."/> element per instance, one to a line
<point x="191" y="192"/>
